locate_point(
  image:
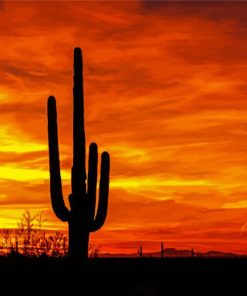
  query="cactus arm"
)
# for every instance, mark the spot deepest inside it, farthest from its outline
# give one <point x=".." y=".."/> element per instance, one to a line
<point x="78" y="170"/>
<point x="103" y="193"/>
<point x="92" y="179"/>
<point x="55" y="178"/>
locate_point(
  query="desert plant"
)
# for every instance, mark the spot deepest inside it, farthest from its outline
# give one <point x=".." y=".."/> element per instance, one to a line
<point x="7" y="238"/>
<point x="81" y="216"/>
<point x="57" y="244"/>
<point x="162" y="250"/>
<point x="39" y="240"/>
<point x="28" y="238"/>
<point x="94" y="251"/>
<point x="26" y="231"/>
<point x="40" y="220"/>
<point x="140" y="251"/>
<point x="29" y="234"/>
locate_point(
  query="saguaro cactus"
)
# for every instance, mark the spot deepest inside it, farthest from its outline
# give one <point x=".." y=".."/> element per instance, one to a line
<point x="81" y="217"/>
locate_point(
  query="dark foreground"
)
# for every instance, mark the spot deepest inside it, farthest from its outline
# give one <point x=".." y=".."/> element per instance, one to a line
<point x="120" y="276"/>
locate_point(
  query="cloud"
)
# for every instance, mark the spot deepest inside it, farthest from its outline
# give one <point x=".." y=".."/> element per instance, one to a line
<point x="211" y="10"/>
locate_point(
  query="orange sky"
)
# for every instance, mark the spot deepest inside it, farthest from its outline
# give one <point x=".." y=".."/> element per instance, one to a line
<point x="165" y="94"/>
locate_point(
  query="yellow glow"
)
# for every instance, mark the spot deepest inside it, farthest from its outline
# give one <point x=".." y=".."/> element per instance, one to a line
<point x="9" y="222"/>
<point x="19" y="174"/>
<point x="235" y="205"/>
<point x="135" y="183"/>
<point x="10" y="219"/>
<point x="129" y="152"/>
<point x="3" y="197"/>
<point x="3" y="96"/>
<point x="11" y="143"/>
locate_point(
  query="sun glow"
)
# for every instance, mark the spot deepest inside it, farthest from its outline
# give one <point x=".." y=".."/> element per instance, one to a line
<point x="138" y="183"/>
<point x="18" y="143"/>
<point x="21" y="174"/>
<point x="242" y="204"/>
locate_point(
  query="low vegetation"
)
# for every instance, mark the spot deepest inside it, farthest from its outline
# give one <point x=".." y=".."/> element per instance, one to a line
<point x="30" y="238"/>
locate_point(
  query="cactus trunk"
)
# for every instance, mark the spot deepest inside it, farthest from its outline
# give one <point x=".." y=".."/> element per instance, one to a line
<point x="81" y="216"/>
<point x="78" y="240"/>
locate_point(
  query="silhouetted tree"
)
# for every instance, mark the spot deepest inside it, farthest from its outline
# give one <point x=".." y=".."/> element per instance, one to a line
<point x="81" y="217"/>
<point x="26" y="231"/>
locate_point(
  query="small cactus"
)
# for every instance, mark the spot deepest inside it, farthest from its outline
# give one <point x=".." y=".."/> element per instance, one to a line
<point x="162" y="250"/>
<point x="140" y="251"/>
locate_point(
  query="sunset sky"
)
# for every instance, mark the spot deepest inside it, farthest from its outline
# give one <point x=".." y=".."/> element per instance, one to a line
<point x="165" y="95"/>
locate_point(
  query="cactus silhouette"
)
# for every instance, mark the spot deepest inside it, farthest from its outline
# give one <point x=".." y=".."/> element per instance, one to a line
<point x="82" y="217"/>
<point x="140" y="251"/>
<point x="162" y="250"/>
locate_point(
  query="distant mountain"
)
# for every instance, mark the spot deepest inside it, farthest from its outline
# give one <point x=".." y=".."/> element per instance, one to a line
<point x="221" y="254"/>
<point x="174" y="253"/>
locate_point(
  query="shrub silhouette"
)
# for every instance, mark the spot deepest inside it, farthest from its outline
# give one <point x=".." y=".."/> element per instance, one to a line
<point x="57" y="244"/>
<point x="28" y="238"/>
<point x="81" y="216"/>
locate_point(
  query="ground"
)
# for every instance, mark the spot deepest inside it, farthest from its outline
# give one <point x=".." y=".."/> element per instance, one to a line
<point x="124" y="276"/>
